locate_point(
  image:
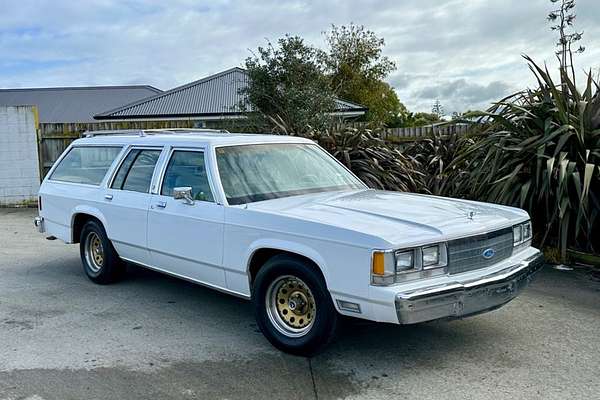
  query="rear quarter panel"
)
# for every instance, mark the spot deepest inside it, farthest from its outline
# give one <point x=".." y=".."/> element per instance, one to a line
<point x="61" y="201"/>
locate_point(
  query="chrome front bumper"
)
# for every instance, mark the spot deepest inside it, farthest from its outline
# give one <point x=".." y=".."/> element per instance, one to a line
<point x="39" y="224"/>
<point x="462" y="299"/>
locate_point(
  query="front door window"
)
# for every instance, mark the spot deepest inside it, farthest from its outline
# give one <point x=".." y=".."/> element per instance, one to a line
<point x="187" y="168"/>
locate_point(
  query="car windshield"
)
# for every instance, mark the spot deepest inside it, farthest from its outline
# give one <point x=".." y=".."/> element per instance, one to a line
<point x="259" y="172"/>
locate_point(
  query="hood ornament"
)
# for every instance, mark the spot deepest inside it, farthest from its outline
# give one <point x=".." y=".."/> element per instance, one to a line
<point x="471" y="214"/>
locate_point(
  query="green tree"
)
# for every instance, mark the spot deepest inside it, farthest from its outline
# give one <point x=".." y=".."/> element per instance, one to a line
<point x="357" y="68"/>
<point x="289" y="90"/>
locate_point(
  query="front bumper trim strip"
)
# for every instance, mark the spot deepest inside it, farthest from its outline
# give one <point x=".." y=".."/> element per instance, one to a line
<point x="462" y="299"/>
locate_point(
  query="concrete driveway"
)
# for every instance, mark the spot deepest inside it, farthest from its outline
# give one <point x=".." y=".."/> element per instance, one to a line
<point x="151" y="336"/>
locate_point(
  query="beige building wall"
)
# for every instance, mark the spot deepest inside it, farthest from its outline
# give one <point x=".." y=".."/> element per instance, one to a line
<point x="19" y="162"/>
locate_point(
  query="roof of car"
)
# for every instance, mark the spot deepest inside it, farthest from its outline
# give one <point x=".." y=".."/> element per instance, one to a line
<point x="184" y="137"/>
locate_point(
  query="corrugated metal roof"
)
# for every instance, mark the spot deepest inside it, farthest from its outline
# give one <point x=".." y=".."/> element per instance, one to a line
<point x="215" y="95"/>
<point x="75" y="104"/>
<point x="345" y="105"/>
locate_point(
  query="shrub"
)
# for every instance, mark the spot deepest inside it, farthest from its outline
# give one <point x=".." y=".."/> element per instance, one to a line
<point x="435" y="156"/>
<point x="540" y="150"/>
<point x="378" y="164"/>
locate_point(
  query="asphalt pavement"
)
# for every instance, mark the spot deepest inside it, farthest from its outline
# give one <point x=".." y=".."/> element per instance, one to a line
<point x="156" y="337"/>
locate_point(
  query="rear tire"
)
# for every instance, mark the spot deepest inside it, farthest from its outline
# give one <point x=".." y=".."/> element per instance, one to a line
<point x="101" y="263"/>
<point x="293" y="307"/>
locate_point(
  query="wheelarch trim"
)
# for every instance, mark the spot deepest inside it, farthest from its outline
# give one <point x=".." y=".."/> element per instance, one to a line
<point x="287" y="247"/>
<point x="87" y="210"/>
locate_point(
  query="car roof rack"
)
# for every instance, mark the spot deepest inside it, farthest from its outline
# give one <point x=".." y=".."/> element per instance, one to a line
<point x="184" y="130"/>
<point x="146" y="132"/>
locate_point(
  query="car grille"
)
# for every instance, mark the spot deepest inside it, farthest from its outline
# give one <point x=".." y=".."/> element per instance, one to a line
<point x="466" y="254"/>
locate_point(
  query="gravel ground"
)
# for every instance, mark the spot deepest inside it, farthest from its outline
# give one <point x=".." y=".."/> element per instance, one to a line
<point x="152" y="336"/>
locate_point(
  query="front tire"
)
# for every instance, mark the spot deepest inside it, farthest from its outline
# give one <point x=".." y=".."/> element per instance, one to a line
<point x="101" y="263"/>
<point x="293" y="307"/>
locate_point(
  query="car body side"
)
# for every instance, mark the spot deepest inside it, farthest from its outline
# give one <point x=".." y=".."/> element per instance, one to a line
<point x="341" y="251"/>
<point x="246" y="232"/>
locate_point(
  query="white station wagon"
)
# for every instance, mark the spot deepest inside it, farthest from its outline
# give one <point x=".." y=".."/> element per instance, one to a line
<point x="277" y="220"/>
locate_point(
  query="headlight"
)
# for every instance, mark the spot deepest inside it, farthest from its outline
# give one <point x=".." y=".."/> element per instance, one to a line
<point x="431" y="256"/>
<point x="404" y="260"/>
<point x="522" y="233"/>
<point x="517" y="234"/>
<point x="402" y="265"/>
<point x="527" y="231"/>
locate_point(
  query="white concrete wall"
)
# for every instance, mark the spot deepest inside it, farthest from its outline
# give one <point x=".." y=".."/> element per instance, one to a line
<point x="19" y="172"/>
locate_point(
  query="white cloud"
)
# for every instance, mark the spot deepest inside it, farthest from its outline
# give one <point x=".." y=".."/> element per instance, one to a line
<point x="463" y="51"/>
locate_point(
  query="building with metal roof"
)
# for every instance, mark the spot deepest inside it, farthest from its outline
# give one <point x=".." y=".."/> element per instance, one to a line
<point x="75" y="104"/>
<point x="216" y="97"/>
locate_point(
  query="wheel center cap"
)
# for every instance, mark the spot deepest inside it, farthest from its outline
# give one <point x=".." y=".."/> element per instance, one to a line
<point x="292" y="305"/>
<point x="297" y="302"/>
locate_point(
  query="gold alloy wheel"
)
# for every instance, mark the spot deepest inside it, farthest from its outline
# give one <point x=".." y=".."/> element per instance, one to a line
<point x="94" y="252"/>
<point x="290" y="306"/>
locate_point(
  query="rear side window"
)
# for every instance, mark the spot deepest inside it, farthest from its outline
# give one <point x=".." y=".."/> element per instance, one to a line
<point x="187" y="168"/>
<point x="85" y="164"/>
<point x="135" y="173"/>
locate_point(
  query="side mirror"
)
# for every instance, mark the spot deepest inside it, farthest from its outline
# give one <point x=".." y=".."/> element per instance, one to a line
<point x="183" y="193"/>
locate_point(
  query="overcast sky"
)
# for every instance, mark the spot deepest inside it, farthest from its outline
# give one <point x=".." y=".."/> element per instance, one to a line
<point x="464" y="52"/>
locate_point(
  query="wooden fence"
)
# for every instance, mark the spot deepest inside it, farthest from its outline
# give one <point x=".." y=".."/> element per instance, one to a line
<point x="55" y="138"/>
<point x="410" y="134"/>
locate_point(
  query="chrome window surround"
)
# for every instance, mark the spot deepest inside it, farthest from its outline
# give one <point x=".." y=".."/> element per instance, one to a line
<point x="161" y="174"/>
<point x="75" y="146"/>
<point x="121" y="159"/>
<point x="217" y="173"/>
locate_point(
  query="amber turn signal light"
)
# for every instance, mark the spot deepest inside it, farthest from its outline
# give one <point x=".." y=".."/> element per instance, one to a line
<point x="378" y="263"/>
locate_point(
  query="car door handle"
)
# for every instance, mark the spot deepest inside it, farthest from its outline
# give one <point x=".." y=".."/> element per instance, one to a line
<point x="108" y="196"/>
<point x="161" y="204"/>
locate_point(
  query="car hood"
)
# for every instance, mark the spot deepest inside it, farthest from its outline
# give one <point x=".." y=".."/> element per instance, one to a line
<point x="397" y="218"/>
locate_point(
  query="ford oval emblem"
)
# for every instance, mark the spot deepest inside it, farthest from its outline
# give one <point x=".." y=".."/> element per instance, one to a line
<point x="488" y="253"/>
